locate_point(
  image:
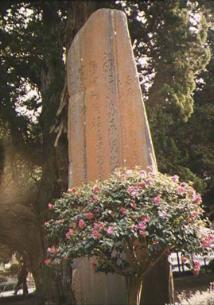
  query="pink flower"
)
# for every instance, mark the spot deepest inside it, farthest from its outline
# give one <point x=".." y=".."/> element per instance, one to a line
<point x="194" y="214"/>
<point x="96" y="189"/>
<point x="148" y="182"/>
<point x="196" y="267"/>
<point x="141" y="226"/>
<point x="50" y="206"/>
<point x="72" y="190"/>
<point x="143" y="233"/>
<point x="110" y="230"/>
<point x="89" y="215"/>
<point x="133" y="191"/>
<point x="197" y="198"/>
<point x="181" y="190"/>
<point x="52" y="250"/>
<point x="157" y="200"/>
<point x="81" y="224"/>
<point x="145" y="218"/>
<point x="207" y="241"/>
<point x="95" y="198"/>
<point x="98" y="226"/>
<point x="142" y="185"/>
<point x="175" y="178"/>
<point x="47" y="261"/>
<point x="143" y="174"/>
<point x="96" y="234"/>
<point x="69" y="233"/>
<point x="123" y="211"/>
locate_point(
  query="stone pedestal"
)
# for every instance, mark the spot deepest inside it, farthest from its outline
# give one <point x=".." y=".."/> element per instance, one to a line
<point x="107" y="125"/>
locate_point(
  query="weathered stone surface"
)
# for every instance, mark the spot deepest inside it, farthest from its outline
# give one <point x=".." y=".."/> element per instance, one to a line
<point x="97" y="288"/>
<point x="107" y="126"/>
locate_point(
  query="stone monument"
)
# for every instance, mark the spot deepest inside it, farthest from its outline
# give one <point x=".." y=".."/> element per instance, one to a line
<point x="107" y="127"/>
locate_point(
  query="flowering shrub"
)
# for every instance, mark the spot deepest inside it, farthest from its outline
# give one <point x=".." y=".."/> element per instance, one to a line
<point x="128" y="222"/>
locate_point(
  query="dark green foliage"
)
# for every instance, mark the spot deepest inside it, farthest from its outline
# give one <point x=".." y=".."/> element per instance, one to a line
<point x="211" y="265"/>
<point x="177" y="51"/>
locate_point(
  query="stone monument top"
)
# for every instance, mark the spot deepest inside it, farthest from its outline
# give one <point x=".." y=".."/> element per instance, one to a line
<point x="108" y="126"/>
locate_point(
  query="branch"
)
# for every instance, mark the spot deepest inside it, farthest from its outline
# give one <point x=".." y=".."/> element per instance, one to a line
<point x="152" y="264"/>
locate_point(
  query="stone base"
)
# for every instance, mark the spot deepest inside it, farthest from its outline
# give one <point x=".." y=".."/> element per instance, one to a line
<point x="98" y="287"/>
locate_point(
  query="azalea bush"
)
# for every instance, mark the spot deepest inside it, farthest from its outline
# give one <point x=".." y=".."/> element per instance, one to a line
<point x="129" y="222"/>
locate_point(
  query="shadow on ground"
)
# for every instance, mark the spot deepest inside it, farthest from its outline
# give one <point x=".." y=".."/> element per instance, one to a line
<point x="184" y="284"/>
<point x="19" y="300"/>
<point x="190" y="283"/>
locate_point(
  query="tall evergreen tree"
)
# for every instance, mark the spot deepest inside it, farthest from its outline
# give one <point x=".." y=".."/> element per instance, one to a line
<point x="32" y="56"/>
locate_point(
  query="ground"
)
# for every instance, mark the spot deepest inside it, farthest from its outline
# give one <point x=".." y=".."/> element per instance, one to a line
<point x="185" y="284"/>
<point x="193" y="283"/>
<point x="18" y="300"/>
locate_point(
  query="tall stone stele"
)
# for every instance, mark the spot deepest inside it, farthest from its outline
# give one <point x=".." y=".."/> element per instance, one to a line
<point x="107" y="127"/>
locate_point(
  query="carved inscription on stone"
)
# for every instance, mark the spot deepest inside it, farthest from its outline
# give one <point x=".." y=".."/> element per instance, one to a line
<point x="111" y="100"/>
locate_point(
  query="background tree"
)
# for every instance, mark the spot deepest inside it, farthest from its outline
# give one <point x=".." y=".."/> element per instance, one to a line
<point x="32" y="58"/>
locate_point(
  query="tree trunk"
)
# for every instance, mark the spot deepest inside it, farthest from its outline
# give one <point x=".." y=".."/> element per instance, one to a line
<point x="46" y="288"/>
<point x="49" y="285"/>
<point x="158" y="285"/>
<point x="134" y="286"/>
<point x="53" y="285"/>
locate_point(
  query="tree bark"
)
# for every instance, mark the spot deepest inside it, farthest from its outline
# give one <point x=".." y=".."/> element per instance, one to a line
<point x="134" y="286"/>
<point x="49" y="285"/>
<point x="158" y="284"/>
<point x="53" y="285"/>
